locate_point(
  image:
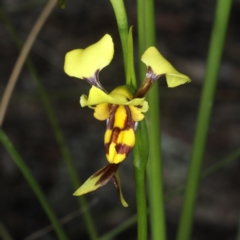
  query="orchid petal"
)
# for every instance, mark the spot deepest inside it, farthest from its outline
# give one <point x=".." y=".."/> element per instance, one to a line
<point x="117" y="183"/>
<point x="84" y="63"/>
<point x="159" y="66"/>
<point x="136" y="114"/>
<point x="97" y="96"/>
<point x="97" y="180"/>
<point x="101" y="112"/>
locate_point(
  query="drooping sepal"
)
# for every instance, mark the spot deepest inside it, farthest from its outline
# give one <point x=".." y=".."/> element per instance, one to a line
<point x="97" y="180"/>
<point x="117" y="183"/>
<point x="101" y="178"/>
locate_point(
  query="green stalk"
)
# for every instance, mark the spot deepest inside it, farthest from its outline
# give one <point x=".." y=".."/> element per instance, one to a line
<point x="140" y="159"/>
<point x="55" y="126"/>
<point x="146" y="33"/>
<point x="121" y="17"/>
<point x="178" y="191"/>
<point x="140" y="151"/>
<point x="34" y="185"/>
<point x="131" y="76"/>
<point x="213" y="63"/>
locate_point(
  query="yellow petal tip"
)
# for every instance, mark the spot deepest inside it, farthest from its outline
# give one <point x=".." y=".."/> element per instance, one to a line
<point x="160" y="66"/>
<point x="84" y="63"/>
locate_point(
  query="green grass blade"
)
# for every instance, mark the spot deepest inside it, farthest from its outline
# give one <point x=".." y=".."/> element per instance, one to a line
<point x="55" y="126"/>
<point x="146" y="33"/>
<point x="140" y="153"/>
<point x="178" y="191"/>
<point x="33" y="184"/>
<point x="213" y="63"/>
<point x="121" y="17"/>
<point x="140" y="159"/>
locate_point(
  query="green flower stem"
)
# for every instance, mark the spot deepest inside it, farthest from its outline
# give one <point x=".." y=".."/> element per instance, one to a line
<point x="146" y="29"/>
<point x="56" y="128"/>
<point x="213" y="63"/>
<point x="178" y="191"/>
<point x="141" y="201"/>
<point x="140" y="152"/>
<point x="121" y="16"/>
<point x="131" y="77"/>
<point x="34" y="185"/>
<point x="140" y="158"/>
<point x="154" y="173"/>
<point x="146" y="33"/>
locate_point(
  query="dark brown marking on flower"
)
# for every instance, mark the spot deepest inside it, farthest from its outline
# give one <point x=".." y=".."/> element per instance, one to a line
<point x="111" y="119"/>
<point x="94" y="81"/>
<point x="114" y="137"/>
<point x="150" y="78"/>
<point x="106" y="145"/>
<point x="129" y="123"/>
<point x="115" y="182"/>
<point x="106" y="173"/>
<point x="122" y="148"/>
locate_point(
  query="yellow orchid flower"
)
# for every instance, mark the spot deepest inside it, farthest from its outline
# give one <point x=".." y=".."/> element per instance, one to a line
<point x="122" y="108"/>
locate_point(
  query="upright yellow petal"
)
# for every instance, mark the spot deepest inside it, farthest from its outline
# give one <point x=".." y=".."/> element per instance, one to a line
<point x="160" y="66"/>
<point x="83" y="63"/>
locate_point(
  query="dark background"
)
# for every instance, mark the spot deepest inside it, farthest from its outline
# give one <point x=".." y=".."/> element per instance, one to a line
<point x="183" y="32"/>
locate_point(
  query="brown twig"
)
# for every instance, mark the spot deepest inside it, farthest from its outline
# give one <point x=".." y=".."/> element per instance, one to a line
<point x="22" y="57"/>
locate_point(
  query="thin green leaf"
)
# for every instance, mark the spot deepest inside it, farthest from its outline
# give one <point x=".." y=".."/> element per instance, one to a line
<point x="131" y="77"/>
<point x="121" y="17"/>
<point x="62" y="4"/>
<point x="140" y="158"/>
<point x="146" y="36"/>
<point x="178" y="191"/>
<point x="33" y="184"/>
<point x="205" y="109"/>
<point x="55" y="126"/>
